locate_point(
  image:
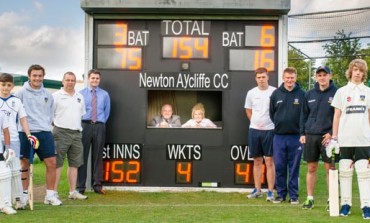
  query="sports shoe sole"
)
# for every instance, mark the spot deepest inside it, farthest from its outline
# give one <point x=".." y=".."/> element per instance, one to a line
<point x="278" y="201"/>
<point x="254" y="197"/>
<point x="76" y="198"/>
<point x="50" y="203"/>
<point x="345" y="215"/>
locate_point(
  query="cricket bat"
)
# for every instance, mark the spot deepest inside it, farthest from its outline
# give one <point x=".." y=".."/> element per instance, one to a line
<point x="30" y="185"/>
<point x="333" y="188"/>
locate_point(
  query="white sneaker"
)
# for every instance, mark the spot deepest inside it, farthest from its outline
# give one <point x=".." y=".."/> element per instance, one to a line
<point x="52" y="200"/>
<point x="77" y="196"/>
<point x="8" y="210"/>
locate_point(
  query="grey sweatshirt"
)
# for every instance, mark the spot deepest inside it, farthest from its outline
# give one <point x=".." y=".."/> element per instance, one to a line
<point x="38" y="104"/>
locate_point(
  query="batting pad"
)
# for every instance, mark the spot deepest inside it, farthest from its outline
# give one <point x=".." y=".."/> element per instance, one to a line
<point x="345" y="179"/>
<point x="363" y="178"/>
<point x="5" y="185"/>
<point x="17" y="188"/>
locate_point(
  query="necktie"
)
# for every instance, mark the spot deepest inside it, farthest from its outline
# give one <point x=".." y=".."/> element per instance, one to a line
<point x="94" y="106"/>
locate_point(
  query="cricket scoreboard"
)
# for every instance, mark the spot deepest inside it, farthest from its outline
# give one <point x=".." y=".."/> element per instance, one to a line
<point x="181" y="52"/>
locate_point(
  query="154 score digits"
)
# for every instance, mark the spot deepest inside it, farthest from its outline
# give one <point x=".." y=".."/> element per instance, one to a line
<point x="185" y="47"/>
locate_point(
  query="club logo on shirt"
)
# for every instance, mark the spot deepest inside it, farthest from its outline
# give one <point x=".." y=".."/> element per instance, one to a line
<point x="296" y="101"/>
<point x="330" y="100"/>
<point x="13" y="104"/>
<point x="7" y="113"/>
<point x="46" y="100"/>
<point x="79" y="100"/>
<point x="348" y="99"/>
<point x="355" y="109"/>
<point x="362" y="97"/>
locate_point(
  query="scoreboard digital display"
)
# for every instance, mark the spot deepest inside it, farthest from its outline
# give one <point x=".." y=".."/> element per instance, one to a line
<point x="185" y="47"/>
<point x="146" y="63"/>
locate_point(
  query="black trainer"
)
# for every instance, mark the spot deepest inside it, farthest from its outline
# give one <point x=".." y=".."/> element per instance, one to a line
<point x="308" y="204"/>
<point x="278" y="200"/>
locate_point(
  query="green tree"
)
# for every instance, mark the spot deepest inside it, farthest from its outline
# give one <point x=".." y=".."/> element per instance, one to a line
<point x="341" y="51"/>
<point x="299" y="61"/>
<point x="365" y="55"/>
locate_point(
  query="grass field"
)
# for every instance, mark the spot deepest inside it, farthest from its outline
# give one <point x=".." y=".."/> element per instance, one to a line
<point x="124" y="206"/>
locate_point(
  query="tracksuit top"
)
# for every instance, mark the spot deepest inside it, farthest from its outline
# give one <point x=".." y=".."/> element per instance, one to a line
<point x="285" y="109"/>
<point x="38" y="104"/>
<point x="317" y="112"/>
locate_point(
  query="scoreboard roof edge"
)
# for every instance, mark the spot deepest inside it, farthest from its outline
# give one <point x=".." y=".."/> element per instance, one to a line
<point x="252" y="7"/>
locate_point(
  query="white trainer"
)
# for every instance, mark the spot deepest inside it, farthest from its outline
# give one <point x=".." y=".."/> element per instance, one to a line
<point x="8" y="210"/>
<point x="77" y="196"/>
<point x="52" y="200"/>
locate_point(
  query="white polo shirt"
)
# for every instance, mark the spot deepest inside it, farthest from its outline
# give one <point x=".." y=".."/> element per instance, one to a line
<point x="13" y="108"/>
<point x="259" y="101"/>
<point x="354" y="102"/>
<point x="68" y="110"/>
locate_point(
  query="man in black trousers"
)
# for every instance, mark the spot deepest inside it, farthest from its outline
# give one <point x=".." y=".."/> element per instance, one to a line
<point x="97" y="102"/>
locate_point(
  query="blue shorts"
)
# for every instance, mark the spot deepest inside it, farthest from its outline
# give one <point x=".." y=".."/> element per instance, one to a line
<point x="46" y="148"/>
<point x="260" y="142"/>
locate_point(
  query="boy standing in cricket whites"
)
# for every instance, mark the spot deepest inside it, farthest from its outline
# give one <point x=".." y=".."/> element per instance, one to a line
<point x="352" y="130"/>
<point x="6" y="156"/>
<point x="261" y="133"/>
<point x="12" y="108"/>
<point x="315" y="128"/>
<point x="38" y="103"/>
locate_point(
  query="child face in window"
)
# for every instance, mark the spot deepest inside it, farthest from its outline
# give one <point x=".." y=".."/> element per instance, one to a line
<point x="198" y="116"/>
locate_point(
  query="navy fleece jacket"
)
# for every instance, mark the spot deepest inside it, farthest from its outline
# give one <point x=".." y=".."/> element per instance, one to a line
<point x="285" y="109"/>
<point x="317" y="112"/>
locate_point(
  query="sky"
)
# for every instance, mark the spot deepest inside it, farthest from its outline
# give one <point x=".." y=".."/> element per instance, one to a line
<point x="51" y="33"/>
<point x="45" y="32"/>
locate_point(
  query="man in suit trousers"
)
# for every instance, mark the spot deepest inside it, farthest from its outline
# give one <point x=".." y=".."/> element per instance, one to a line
<point x="166" y="119"/>
<point x="97" y="103"/>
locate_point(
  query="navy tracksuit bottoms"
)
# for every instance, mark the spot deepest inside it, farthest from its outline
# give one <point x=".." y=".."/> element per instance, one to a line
<point x="287" y="159"/>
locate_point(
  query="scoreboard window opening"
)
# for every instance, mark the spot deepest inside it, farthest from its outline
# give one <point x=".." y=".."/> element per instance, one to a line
<point x="182" y="103"/>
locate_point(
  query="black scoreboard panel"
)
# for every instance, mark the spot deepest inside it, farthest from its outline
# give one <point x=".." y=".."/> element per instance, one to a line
<point x="144" y="62"/>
